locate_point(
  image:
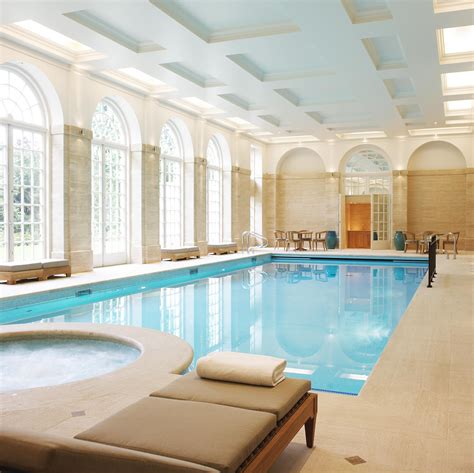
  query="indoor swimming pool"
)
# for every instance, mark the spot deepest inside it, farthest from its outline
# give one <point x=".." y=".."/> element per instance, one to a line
<point x="331" y="319"/>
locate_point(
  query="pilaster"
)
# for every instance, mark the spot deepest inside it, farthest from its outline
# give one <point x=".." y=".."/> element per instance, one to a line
<point x="145" y="204"/>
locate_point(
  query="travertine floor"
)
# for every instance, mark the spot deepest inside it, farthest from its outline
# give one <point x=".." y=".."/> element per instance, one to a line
<point x="415" y="413"/>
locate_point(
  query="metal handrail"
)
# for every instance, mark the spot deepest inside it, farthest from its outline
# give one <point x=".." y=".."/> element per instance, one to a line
<point x="246" y="240"/>
<point x="432" y="243"/>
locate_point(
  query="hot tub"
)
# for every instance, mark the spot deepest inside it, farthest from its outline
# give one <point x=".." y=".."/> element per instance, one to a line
<point x="32" y="361"/>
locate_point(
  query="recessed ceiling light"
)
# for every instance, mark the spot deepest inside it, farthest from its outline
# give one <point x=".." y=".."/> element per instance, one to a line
<point x="456" y="44"/>
<point x="458" y="82"/>
<point x="140" y="76"/>
<point x="199" y="103"/>
<point x="455" y="130"/>
<point x="53" y="36"/>
<point x="357" y="135"/>
<point x="460" y="121"/>
<point x="458" y="107"/>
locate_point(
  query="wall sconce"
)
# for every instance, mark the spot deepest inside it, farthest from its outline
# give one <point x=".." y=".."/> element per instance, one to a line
<point x="82" y="132"/>
<point x="333" y="174"/>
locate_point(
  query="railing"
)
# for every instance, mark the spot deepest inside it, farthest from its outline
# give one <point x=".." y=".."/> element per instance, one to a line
<point x="432" y="243"/>
<point x="246" y="241"/>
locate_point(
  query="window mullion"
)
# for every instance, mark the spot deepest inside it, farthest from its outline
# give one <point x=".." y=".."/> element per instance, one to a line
<point x="9" y="194"/>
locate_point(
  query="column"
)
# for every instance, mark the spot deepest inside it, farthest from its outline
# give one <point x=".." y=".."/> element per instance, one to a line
<point x="71" y="197"/>
<point x="400" y="201"/>
<point x="145" y="204"/>
<point x="200" y="204"/>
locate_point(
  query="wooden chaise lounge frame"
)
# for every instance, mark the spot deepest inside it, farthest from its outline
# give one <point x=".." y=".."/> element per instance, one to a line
<point x="303" y="413"/>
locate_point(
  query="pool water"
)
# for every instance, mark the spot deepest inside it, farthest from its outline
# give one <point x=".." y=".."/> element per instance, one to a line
<point x="330" y="319"/>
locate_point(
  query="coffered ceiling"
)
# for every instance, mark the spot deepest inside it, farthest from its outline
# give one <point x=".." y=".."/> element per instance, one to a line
<point x="307" y="69"/>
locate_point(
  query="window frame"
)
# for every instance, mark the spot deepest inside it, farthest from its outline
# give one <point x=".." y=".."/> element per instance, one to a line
<point x="104" y="259"/>
<point x="45" y="131"/>
<point x="218" y="168"/>
<point x="163" y="187"/>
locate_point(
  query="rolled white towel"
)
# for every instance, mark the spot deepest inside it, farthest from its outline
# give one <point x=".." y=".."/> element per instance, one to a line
<point x="243" y="368"/>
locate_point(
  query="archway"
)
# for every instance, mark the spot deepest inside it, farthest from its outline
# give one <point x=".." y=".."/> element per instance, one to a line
<point x="302" y="198"/>
<point x="366" y="188"/>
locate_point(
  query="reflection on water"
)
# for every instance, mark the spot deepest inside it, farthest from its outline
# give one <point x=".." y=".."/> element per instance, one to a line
<point x="331" y="322"/>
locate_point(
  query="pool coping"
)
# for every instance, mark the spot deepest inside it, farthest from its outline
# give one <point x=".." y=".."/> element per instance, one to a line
<point x="160" y="352"/>
<point x="176" y="269"/>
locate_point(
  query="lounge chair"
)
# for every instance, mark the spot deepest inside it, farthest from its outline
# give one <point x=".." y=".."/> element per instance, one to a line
<point x="306" y="237"/>
<point x="222" y="248"/>
<point x="192" y="425"/>
<point x="12" y="272"/>
<point x="184" y="252"/>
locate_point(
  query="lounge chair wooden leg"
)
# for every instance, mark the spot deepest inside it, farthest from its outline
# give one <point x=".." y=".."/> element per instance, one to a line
<point x="309" y="430"/>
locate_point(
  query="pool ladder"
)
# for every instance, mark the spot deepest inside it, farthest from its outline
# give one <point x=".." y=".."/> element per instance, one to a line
<point x="247" y="235"/>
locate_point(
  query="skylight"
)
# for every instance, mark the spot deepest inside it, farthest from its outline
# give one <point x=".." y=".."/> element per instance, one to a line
<point x="458" y="82"/>
<point x="199" y="103"/>
<point x="140" y="76"/>
<point x="53" y="36"/>
<point x="459" y="39"/>
<point x="456" y="44"/>
<point x="240" y="122"/>
<point x="458" y="107"/>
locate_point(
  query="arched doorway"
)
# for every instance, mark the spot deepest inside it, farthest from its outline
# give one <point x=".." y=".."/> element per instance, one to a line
<point x="366" y="189"/>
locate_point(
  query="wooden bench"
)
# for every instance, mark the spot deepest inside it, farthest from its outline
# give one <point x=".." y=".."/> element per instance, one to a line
<point x="11" y="272"/>
<point x="222" y="248"/>
<point x="185" y="252"/>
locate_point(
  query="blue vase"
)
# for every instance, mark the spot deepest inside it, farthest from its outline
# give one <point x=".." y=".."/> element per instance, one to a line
<point x="331" y="239"/>
<point x="399" y="240"/>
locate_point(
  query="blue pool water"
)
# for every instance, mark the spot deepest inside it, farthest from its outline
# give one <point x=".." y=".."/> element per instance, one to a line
<point x="330" y="319"/>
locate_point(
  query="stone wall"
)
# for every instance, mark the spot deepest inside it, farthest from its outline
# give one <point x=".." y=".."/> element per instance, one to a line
<point x="442" y="201"/>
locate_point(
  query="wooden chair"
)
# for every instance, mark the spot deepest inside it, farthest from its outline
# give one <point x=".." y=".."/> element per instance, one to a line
<point x="306" y="237"/>
<point x="410" y="239"/>
<point x="319" y="237"/>
<point x="281" y="238"/>
<point x="423" y="241"/>
<point x="452" y="239"/>
<point x="294" y="237"/>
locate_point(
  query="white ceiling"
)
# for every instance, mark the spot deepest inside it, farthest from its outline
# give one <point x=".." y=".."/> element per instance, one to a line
<point x="317" y="68"/>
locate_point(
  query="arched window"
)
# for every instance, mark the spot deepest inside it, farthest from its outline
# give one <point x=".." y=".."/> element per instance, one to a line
<point x="23" y="135"/>
<point x="367" y="172"/>
<point x="110" y="151"/>
<point x="171" y="187"/>
<point x="214" y="192"/>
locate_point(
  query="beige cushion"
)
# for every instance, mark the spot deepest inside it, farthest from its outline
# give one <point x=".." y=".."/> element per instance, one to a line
<point x="184" y="249"/>
<point x="220" y="437"/>
<point x="54" y="263"/>
<point x="221" y="245"/>
<point x="277" y="400"/>
<point x="13" y="267"/>
<point x="40" y="452"/>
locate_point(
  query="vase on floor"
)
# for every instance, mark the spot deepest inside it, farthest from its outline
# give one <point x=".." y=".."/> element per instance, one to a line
<point x="331" y="239"/>
<point x="399" y="240"/>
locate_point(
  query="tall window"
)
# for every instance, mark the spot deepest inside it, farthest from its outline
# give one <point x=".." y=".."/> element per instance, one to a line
<point x="214" y="192"/>
<point x="109" y="186"/>
<point x="23" y="133"/>
<point x="171" y="187"/>
<point x="256" y="224"/>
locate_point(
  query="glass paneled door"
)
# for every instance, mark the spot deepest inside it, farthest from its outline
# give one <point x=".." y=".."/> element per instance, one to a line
<point x="109" y="186"/>
<point x="380" y="221"/>
<point x="22" y="188"/>
<point x="109" y="211"/>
